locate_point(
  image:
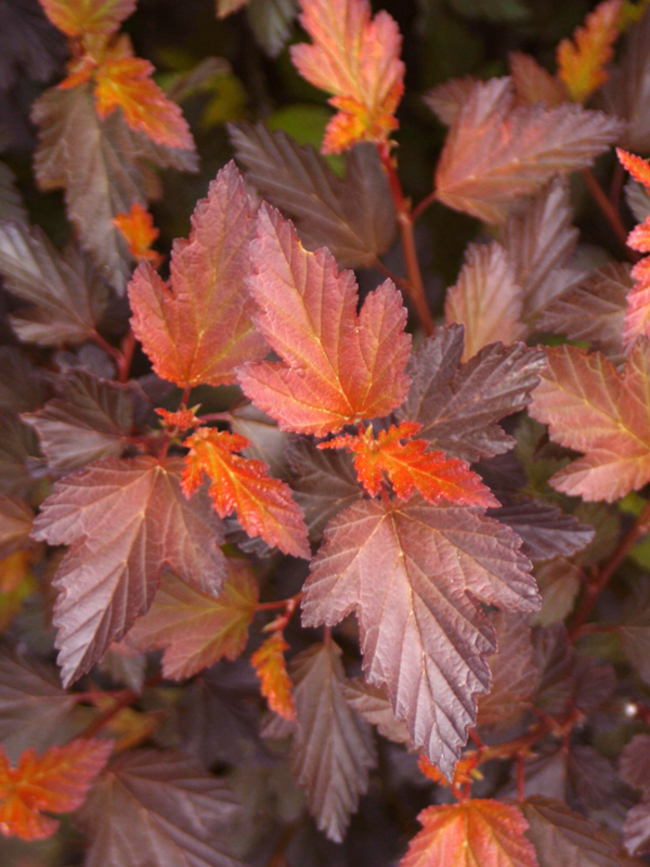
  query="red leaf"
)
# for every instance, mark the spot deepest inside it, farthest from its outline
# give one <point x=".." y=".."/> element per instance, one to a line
<point x="80" y="17"/>
<point x="357" y="59"/>
<point x="196" y="629"/>
<point x="339" y="367"/>
<point x="198" y="329"/>
<point x="477" y="832"/>
<point x="126" y="520"/>
<point x="533" y="83"/>
<point x="581" y="63"/>
<point x="636" y="166"/>
<point x="413" y="572"/>
<point x="126" y="82"/>
<point x="592" y="408"/>
<point x="276" y="687"/>
<point x="263" y="504"/>
<point x="496" y="152"/>
<point x="56" y="782"/>
<point x="410" y="467"/>
<point x="139" y="232"/>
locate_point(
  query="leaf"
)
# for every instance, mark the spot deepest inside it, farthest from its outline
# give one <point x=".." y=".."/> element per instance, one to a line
<point x="33" y="707"/>
<point x="496" y="152"/>
<point x="533" y="83"/>
<point x="581" y="63"/>
<point x="29" y="46"/>
<point x="373" y="705"/>
<point x="275" y="683"/>
<point x="539" y="242"/>
<point x="139" y="232"/>
<point x="22" y="387"/>
<point x="65" y="302"/>
<point x="593" y="311"/>
<point x="636" y="830"/>
<point x="627" y="90"/>
<point x="352" y="216"/>
<point x="634" y="762"/>
<point x="195" y="628"/>
<point x="479" y="831"/>
<point x="413" y="573"/>
<point x="16" y="518"/>
<point x="101" y="166"/>
<point x="591" y="407"/>
<point x="150" y="803"/>
<point x="513" y="672"/>
<point x="561" y="836"/>
<point x="338" y="367"/>
<point x="56" y="782"/>
<point x="81" y="17"/>
<point x="19" y="466"/>
<point x="486" y="299"/>
<point x="357" y="59"/>
<point x="126" y="520"/>
<point x="592" y="777"/>
<point x="227" y="7"/>
<point x="457" y="404"/>
<point x="324" y="484"/>
<point x="198" y="329"/>
<point x="11" y="203"/>
<point x="263" y="504"/>
<point x="559" y="582"/>
<point x="271" y="22"/>
<point x="267" y="443"/>
<point x="126" y="82"/>
<point x="545" y="530"/>
<point x="636" y="166"/>
<point x="333" y="748"/>
<point x="447" y="99"/>
<point x="410" y="467"/>
<point x="90" y="421"/>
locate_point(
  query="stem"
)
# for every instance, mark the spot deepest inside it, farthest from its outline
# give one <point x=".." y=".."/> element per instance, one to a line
<point x="215" y="416"/>
<point x="185" y="397"/>
<point x="114" y="353"/>
<point x="421" y="207"/>
<point x="601" y="579"/>
<point x="398" y="281"/>
<point x="405" y="221"/>
<point x="122" y="700"/>
<point x="609" y="212"/>
<point x="124" y="364"/>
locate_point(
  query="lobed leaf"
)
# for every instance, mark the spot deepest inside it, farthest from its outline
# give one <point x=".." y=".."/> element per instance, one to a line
<point x="457" y="404"/>
<point x="627" y="90"/>
<point x="126" y="520"/>
<point x="198" y="328"/>
<point x="352" y="216"/>
<point x="562" y="836"/>
<point x="85" y="17"/>
<point x="533" y="83"/>
<point x="478" y="831"/>
<point x="196" y="628"/>
<point x="496" y="152"/>
<point x="139" y="232"/>
<point x="513" y="672"/>
<point x="412" y="572"/>
<point x="57" y="782"/>
<point x="357" y="59"/>
<point x="591" y="407"/>
<point x="373" y="704"/>
<point x="264" y="505"/>
<point x="337" y="367"/>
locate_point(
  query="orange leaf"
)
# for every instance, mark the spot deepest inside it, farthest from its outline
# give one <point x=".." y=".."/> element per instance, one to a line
<point x="56" y="782"/>
<point x="639" y="237"/>
<point x="410" y="466"/>
<point x="581" y="63"/>
<point x="126" y="82"/>
<point x="264" y="505"/>
<point x="357" y="59"/>
<point x="478" y="832"/>
<point x="183" y="419"/>
<point x="465" y="772"/>
<point x="139" y="232"/>
<point x="636" y="166"/>
<point x="268" y="661"/>
<point x="79" y="17"/>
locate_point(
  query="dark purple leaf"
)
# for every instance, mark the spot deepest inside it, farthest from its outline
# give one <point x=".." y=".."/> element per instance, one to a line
<point x="513" y="672"/>
<point x="634" y="763"/>
<point x="561" y="836"/>
<point x="546" y="531"/>
<point x="16" y="519"/>
<point x="636" y="830"/>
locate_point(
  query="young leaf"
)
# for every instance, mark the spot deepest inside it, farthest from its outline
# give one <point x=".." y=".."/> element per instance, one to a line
<point x="81" y="17"/>
<point x="352" y="216"/>
<point x="357" y="59"/>
<point x="66" y="303"/>
<point x="263" y="504"/>
<point x="636" y="166"/>
<point x="486" y="299"/>
<point x="338" y="367"/>
<point x="150" y="803"/>
<point x="457" y="404"/>
<point x="126" y="520"/>
<point x="198" y="329"/>
<point x="126" y="82"/>
<point x="333" y="748"/>
<point x="581" y="62"/>
<point x="480" y="831"/>
<point x="412" y="572"/>
<point x="90" y="421"/>
<point x="561" y="836"/>
<point x="196" y="629"/>
<point x="56" y="782"/>
<point x="139" y="232"/>
<point x="591" y="407"/>
<point x="497" y="152"/>
<point x="275" y="683"/>
<point x="410" y="467"/>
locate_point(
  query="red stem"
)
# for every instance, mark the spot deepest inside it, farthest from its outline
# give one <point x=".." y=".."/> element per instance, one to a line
<point x="124" y="364"/>
<point x="421" y="207"/>
<point x="610" y="213"/>
<point x="114" y="353"/>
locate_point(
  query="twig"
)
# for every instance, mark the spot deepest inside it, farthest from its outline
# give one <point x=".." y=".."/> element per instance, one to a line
<point x="421" y="207"/>
<point x="610" y="213"/>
